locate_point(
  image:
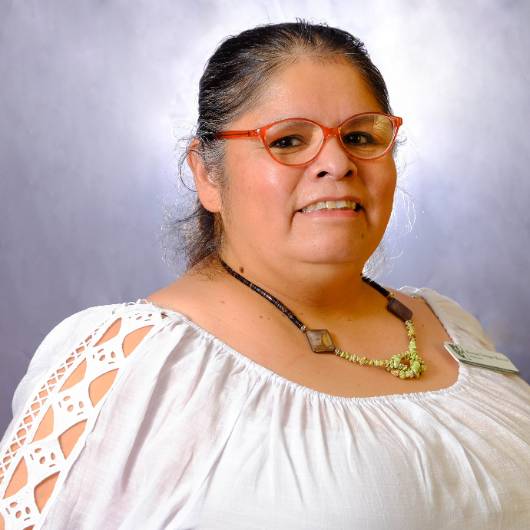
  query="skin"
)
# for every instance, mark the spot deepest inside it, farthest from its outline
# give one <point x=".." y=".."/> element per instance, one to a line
<point x="312" y="264"/>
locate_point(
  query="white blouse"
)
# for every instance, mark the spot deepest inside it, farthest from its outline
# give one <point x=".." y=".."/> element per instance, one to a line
<point x="192" y="434"/>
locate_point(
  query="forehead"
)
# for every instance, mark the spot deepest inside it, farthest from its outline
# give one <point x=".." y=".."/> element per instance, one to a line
<point x="327" y="91"/>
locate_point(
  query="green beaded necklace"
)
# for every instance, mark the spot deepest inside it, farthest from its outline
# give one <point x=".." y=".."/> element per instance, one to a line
<point x="405" y="365"/>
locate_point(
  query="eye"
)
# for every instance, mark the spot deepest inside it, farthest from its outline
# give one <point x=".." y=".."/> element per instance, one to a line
<point x="286" y="142"/>
<point x="358" y="138"/>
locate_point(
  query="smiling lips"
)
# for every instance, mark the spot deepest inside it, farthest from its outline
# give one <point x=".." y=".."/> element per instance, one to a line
<point x="341" y="204"/>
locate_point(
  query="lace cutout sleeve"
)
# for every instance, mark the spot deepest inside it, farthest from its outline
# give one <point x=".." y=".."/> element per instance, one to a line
<point x="50" y="430"/>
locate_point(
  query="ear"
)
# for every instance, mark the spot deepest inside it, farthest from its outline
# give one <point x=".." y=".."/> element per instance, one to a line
<point x="208" y="191"/>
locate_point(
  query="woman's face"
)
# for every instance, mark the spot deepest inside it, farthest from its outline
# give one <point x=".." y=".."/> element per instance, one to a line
<point x="260" y="209"/>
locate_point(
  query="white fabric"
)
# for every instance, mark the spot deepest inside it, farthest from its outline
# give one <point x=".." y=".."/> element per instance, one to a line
<point x="193" y="435"/>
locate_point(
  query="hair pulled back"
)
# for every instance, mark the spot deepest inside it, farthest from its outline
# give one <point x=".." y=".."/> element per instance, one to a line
<point x="232" y="83"/>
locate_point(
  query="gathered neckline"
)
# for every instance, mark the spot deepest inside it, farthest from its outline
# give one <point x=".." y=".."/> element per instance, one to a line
<point x="311" y="392"/>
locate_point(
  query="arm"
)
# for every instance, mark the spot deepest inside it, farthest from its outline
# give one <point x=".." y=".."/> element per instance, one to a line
<point x="47" y="432"/>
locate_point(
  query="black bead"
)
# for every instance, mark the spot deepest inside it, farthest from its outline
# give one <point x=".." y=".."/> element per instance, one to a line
<point x="399" y="309"/>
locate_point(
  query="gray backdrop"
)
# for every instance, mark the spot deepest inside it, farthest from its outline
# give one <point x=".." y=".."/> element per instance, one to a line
<point x="95" y="94"/>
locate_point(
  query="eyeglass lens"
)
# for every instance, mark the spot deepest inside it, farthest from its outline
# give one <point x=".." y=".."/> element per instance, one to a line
<point x="298" y="141"/>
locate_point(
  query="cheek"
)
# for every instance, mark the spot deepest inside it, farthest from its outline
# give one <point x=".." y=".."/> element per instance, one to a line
<point x="259" y="187"/>
<point x="381" y="183"/>
<point x="384" y="181"/>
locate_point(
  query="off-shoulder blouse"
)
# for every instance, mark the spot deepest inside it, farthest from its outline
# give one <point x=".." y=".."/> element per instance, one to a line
<point x="191" y="434"/>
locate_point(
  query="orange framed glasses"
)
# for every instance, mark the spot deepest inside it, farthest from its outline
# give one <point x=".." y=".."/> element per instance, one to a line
<point x="298" y="141"/>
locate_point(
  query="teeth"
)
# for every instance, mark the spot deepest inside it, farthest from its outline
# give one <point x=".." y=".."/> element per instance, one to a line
<point x="331" y="205"/>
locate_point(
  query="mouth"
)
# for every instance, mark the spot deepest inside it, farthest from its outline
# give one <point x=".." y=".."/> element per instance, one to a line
<point x="346" y="205"/>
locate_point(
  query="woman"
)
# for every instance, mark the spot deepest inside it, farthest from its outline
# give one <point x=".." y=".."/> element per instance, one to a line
<point x="203" y="406"/>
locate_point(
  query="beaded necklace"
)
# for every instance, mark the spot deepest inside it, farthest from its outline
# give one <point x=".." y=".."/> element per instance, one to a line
<point x="406" y="365"/>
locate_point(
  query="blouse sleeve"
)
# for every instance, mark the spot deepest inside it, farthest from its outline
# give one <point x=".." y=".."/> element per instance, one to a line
<point x="54" y="406"/>
<point x="52" y="348"/>
<point x="459" y="323"/>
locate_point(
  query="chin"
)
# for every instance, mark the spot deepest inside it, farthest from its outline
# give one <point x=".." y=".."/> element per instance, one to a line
<point x="334" y="258"/>
<point x="333" y="252"/>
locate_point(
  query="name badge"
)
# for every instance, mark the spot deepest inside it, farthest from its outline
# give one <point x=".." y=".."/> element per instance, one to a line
<point x="492" y="360"/>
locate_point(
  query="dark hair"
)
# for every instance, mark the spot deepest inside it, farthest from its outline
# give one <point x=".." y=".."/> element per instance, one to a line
<point x="232" y="82"/>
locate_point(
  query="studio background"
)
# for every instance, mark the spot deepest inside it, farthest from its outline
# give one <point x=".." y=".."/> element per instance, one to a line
<point x="94" y="96"/>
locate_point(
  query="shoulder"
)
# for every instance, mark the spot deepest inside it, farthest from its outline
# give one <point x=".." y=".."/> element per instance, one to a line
<point x="56" y="403"/>
<point x="460" y="323"/>
<point x="52" y="347"/>
<point x="70" y="333"/>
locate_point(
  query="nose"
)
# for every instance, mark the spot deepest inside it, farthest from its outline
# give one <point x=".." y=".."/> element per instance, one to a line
<point x="333" y="160"/>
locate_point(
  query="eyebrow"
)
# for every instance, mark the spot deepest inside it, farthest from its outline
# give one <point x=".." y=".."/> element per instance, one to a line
<point x="298" y="116"/>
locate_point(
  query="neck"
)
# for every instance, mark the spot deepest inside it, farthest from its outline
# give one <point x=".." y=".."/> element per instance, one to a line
<point x="314" y="290"/>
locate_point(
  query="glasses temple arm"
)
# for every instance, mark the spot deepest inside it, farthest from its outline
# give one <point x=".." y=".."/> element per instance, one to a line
<point x="237" y="134"/>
